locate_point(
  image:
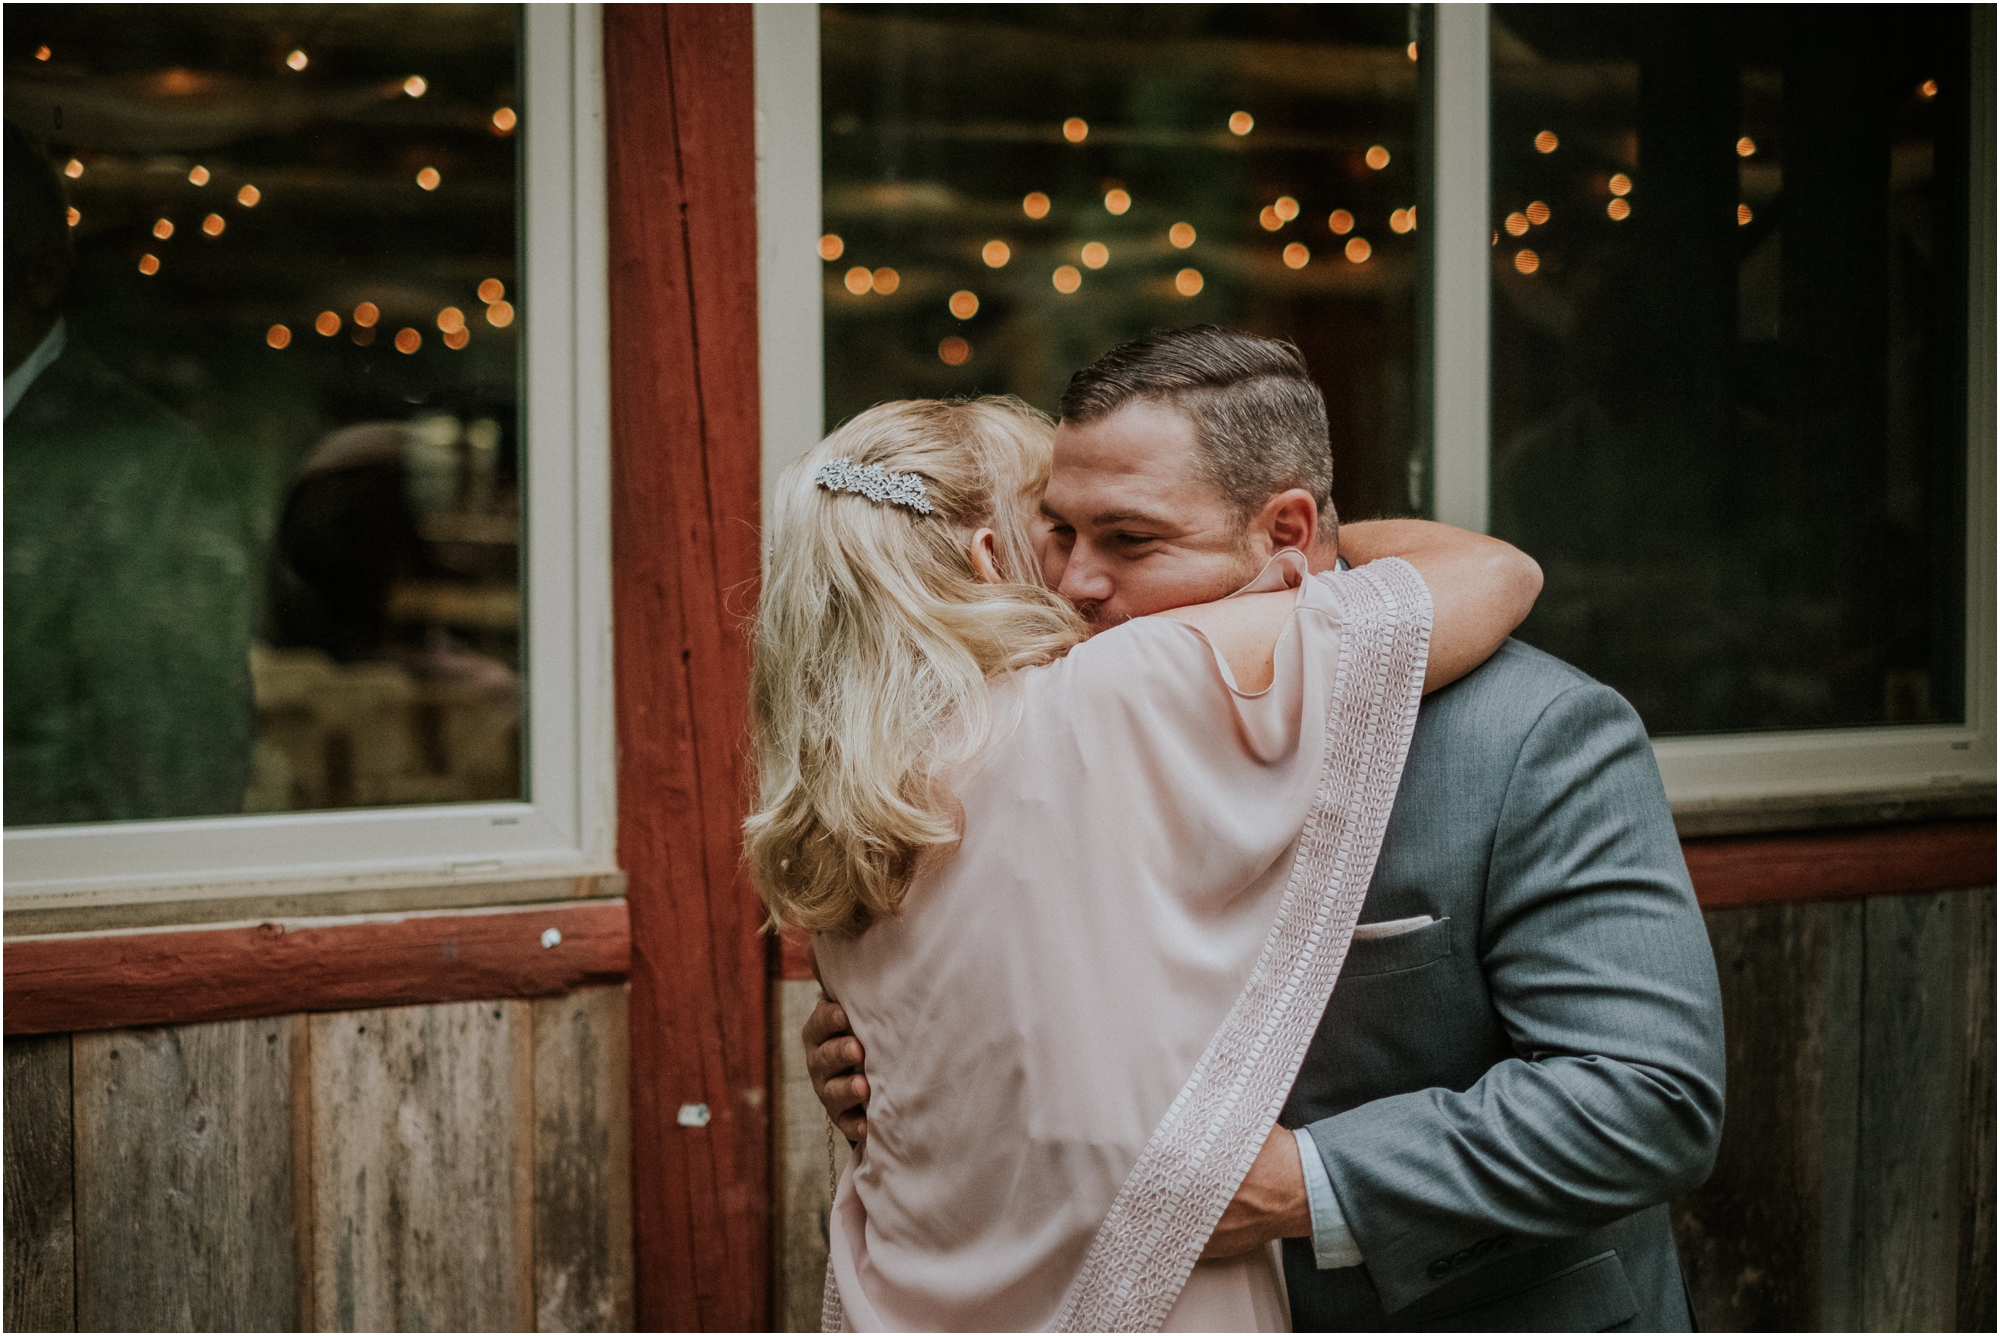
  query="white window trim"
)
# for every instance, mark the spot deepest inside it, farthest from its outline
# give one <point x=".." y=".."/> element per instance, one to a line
<point x="568" y="827"/>
<point x="1708" y="772"/>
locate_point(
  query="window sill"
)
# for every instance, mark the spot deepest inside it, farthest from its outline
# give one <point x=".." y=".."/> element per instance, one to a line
<point x="1705" y="818"/>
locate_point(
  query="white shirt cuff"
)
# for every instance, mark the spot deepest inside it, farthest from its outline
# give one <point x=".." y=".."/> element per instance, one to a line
<point x="1333" y="1241"/>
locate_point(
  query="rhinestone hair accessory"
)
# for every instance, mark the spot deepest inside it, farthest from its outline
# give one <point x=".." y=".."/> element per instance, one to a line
<point x="875" y="483"/>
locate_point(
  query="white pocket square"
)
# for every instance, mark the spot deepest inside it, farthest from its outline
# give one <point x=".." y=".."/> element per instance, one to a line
<point x="1368" y="932"/>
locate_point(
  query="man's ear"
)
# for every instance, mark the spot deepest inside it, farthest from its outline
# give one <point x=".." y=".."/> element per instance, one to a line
<point x="1289" y="519"/>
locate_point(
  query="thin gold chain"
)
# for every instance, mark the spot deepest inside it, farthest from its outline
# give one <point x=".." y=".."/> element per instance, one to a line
<point x="832" y="1165"/>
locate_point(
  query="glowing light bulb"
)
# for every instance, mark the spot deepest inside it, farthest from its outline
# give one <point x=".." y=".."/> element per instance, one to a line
<point x="996" y="254"/>
<point x="500" y="315"/>
<point x="149" y="265"/>
<point x="451" y="318"/>
<point x="1619" y="210"/>
<point x="1928" y="89"/>
<point x="213" y="224"/>
<point x="1340" y="222"/>
<point x="1516" y="224"/>
<point x="1538" y="213"/>
<point x="1296" y="256"/>
<point x="1411" y="52"/>
<point x="73" y="169"/>
<point x="408" y="340"/>
<point x="199" y="176"/>
<point x="1075" y="129"/>
<point x="366" y="314"/>
<point x="1268" y="219"/>
<point x="1376" y="157"/>
<point x="1399" y="222"/>
<point x="1621" y="184"/>
<point x="164" y="228"/>
<point x="1181" y="235"/>
<point x="1035" y="204"/>
<point x="43" y="53"/>
<point x="428" y="178"/>
<point x="415" y="86"/>
<point x="1357" y="250"/>
<point x="954" y="351"/>
<point x="1285" y="207"/>
<point x="1526" y="261"/>
<point x="491" y="290"/>
<point x="1240" y="124"/>
<point x="1066" y="278"/>
<point x="1546" y="142"/>
<point x="248" y="196"/>
<point x="831" y="247"/>
<point x="74" y="217"/>
<point x="859" y="279"/>
<point x="1746" y="147"/>
<point x="1095" y="254"/>
<point x="328" y="323"/>
<point x="297" y="60"/>
<point x="1743" y="215"/>
<point x="457" y="338"/>
<point x="1117" y="201"/>
<point x="504" y="120"/>
<point x="1188" y="282"/>
<point x="964" y="304"/>
<point x="887" y="280"/>
<point x="278" y="336"/>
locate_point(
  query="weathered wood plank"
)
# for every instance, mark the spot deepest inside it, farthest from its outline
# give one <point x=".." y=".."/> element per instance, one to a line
<point x="686" y="464"/>
<point x="271" y="969"/>
<point x="185" y="1189"/>
<point x="583" y="1163"/>
<point x="1750" y="1237"/>
<point x="422" y="1169"/>
<point x="1905" y="1200"/>
<point x="1840" y="1112"/>
<point x="1974" y="1172"/>
<point x="40" y="1232"/>
<point x="805" y="1194"/>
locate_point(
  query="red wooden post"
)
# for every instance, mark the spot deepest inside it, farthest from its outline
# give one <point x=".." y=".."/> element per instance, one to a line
<point x="680" y="118"/>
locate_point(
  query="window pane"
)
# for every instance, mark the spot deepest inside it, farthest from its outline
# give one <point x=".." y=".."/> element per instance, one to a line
<point x="1728" y="353"/>
<point x="262" y="517"/>
<point x="1011" y="191"/>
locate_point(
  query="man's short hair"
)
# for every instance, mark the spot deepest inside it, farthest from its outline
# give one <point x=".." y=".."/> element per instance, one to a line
<point x="1259" y="421"/>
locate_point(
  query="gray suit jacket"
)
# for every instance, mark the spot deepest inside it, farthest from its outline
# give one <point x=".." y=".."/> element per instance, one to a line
<point x="1505" y="1099"/>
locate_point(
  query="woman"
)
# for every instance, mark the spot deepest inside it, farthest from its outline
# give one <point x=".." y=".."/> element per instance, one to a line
<point x="1062" y="889"/>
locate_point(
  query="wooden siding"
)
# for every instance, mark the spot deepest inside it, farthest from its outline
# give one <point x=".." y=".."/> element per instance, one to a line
<point x="1855" y="1185"/>
<point x="686" y="466"/>
<point x="372" y="1170"/>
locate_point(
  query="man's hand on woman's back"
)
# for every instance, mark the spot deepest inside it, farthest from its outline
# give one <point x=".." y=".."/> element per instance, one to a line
<point x="833" y="1060"/>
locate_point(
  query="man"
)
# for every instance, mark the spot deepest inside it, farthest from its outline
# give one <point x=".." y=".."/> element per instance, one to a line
<point x="127" y="584"/>
<point x="1522" y="1060"/>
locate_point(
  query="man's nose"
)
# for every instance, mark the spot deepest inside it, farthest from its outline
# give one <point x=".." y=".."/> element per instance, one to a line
<point x="1084" y="578"/>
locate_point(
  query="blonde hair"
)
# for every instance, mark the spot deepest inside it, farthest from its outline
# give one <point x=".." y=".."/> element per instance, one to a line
<point x="873" y="645"/>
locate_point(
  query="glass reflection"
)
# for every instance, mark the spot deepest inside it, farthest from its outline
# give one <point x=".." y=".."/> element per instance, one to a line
<point x="252" y="565"/>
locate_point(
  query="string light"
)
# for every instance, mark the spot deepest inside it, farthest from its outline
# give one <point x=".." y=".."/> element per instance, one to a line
<point x="1067" y="279"/>
<point x="1117" y="201"/>
<point x="248" y="196"/>
<point x="1928" y="89"/>
<point x="278" y="336"/>
<point x="450" y="319"/>
<point x="1095" y="254"/>
<point x="1285" y="207"/>
<point x="74" y="217"/>
<point x="297" y="60"/>
<point x="428" y="178"/>
<point x="408" y="340"/>
<point x="964" y="304"/>
<point x="199" y="176"/>
<point x="163" y="228"/>
<point x="1619" y="210"/>
<point x="73" y="169"/>
<point x="1546" y="142"/>
<point x="1357" y="250"/>
<point x="492" y="290"/>
<point x="415" y="86"/>
<point x="1743" y="215"/>
<point x="859" y="279"/>
<point x="1746" y="147"/>
<point x="457" y="338"/>
<point x="1516" y="224"/>
<point x="1538" y="213"/>
<point x="1376" y="157"/>
<point x="366" y="314"/>
<point x="328" y="323"/>
<point x="1400" y="222"/>
<point x="1621" y="184"/>
<point x="1075" y="129"/>
<point x="1340" y="222"/>
<point x="831" y="247"/>
<point x="996" y="254"/>
<point x="1187" y="282"/>
<point x="213" y="224"/>
<point x="1268" y="218"/>
<point x="887" y="280"/>
<point x="43" y="53"/>
<point x="500" y="315"/>
<point x="1526" y="262"/>
<point x="1035" y="204"/>
<point x="954" y="351"/>
<point x="1240" y="124"/>
<point x="504" y="120"/>
<point x="1296" y="256"/>
<point x="1181" y="235"/>
<point x="149" y="265"/>
<point x="1411" y="52"/>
